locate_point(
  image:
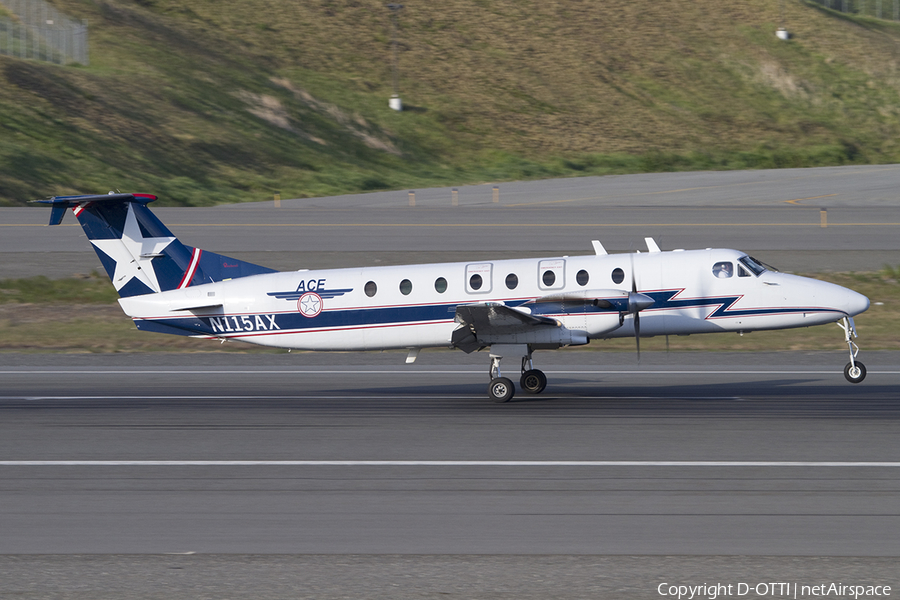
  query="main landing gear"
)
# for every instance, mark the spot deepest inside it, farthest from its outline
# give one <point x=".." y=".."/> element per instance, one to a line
<point x="855" y="371"/>
<point x="501" y="389"/>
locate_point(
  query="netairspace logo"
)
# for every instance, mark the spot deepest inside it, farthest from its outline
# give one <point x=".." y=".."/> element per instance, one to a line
<point x="772" y="590"/>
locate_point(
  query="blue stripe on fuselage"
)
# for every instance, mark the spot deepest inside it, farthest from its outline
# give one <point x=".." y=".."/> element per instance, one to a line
<point x="236" y="324"/>
<point x="664" y="301"/>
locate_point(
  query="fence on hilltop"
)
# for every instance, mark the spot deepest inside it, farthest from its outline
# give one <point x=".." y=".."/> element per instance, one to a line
<point x="879" y="9"/>
<point x="39" y="31"/>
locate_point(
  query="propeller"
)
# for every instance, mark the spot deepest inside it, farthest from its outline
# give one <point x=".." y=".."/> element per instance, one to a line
<point x="636" y="303"/>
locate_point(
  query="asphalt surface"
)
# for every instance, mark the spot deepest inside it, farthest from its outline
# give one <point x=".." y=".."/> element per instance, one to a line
<point x="403" y="577"/>
<point x="737" y="473"/>
<point x="737" y="465"/>
<point x="776" y="215"/>
<point x="720" y="410"/>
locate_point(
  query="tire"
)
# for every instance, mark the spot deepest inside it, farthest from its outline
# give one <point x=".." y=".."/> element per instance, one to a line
<point x="855" y="375"/>
<point x="533" y="381"/>
<point x="501" y="389"/>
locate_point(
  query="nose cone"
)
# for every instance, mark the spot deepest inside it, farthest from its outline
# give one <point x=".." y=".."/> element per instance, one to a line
<point x="854" y="303"/>
<point x="841" y="298"/>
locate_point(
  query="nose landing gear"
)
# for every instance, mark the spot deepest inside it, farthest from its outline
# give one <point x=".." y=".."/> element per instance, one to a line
<point x="855" y="371"/>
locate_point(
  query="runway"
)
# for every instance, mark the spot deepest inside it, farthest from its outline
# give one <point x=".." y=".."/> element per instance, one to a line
<point x="354" y="475"/>
<point x="358" y="454"/>
<point x="777" y="215"/>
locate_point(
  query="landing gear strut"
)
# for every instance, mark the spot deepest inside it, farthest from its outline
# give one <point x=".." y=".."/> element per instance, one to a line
<point x="501" y="389"/>
<point x="855" y="371"/>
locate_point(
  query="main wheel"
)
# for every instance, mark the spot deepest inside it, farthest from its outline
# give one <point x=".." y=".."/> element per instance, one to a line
<point x="501" y="389"/>
<point x="533" y="381"/>
<point x="855" y="374"/>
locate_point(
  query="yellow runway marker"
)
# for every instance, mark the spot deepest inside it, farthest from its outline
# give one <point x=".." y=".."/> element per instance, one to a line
<point x="796" y="200"/>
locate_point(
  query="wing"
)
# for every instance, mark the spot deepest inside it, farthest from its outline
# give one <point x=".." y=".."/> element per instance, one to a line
<point x="492" y="319"/>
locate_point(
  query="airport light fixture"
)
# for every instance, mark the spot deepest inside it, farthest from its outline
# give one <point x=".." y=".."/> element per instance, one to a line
<point x="782" y="33"/>
<point x="395" y="102"/>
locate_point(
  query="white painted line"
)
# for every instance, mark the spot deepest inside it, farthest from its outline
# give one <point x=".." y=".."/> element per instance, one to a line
<point x="238" y="397"/>
<point x="414" y="371"/>
<point x="360" y="397"/>
<point x="221" y="371"/>
<point x="441" y="463"/>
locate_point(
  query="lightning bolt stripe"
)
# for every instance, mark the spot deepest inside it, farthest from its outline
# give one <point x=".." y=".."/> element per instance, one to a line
<point x="723" y="305"/>
<point x="400" y="316"/>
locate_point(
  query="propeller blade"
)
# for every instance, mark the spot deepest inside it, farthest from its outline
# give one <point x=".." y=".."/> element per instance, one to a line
<point x="635" y="309"/>
<point x="637" y="334"/>
<point x="633" y="278"/>
<point x="636" y="303"/>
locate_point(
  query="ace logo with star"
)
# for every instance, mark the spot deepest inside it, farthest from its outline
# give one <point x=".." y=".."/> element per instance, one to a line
<point x="310" y="304"/>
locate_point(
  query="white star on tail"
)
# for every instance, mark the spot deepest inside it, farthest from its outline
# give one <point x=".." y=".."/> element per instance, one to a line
<point x="133" y="254"/>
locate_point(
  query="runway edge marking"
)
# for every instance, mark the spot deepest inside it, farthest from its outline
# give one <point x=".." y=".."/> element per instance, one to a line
<point x="442" y="463"/>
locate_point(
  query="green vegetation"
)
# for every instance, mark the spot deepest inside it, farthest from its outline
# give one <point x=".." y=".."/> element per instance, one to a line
<point x="81" y="315"/>
<point x="207" y="101"/>
<point x="91" y="289"/>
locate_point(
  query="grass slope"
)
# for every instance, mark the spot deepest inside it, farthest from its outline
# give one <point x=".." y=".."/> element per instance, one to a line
<point x="206" y="101"/>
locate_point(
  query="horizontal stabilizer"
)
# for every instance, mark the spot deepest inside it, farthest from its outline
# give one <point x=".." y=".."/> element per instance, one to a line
<point x="61" y="203"/>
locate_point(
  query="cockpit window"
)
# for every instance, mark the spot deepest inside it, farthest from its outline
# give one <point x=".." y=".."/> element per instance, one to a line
<point x="742" y="272"/>
<point x="754" y="265"/>
<point x="723" y="270"/>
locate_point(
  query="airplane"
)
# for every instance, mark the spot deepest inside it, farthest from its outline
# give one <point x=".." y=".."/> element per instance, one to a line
<point x="509" y="307"/>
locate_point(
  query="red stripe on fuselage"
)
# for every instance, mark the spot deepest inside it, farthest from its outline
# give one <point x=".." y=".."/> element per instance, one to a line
<point x="189" y="273"/>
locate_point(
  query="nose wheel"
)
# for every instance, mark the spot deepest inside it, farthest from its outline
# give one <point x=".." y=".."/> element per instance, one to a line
<point x="855" y="371"/>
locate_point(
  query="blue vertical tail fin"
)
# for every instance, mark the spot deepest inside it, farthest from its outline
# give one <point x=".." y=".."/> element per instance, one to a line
<point x="139" y="253"/>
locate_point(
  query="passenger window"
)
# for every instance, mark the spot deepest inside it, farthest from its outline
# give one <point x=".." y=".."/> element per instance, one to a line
<point x="552" y="274"/>
<point x="742" y="272"/>
<point x="582" y="277"/>
<point x="371" y="289"/>
<point x="618" y="275"/>
<point x="479" y="278"/>
<point x="440" y="285"/>
<point x="549" y="278"/>
<point x="723" y="270"/>
<point x="405" y="287"/>
<point x="512" y="281"/>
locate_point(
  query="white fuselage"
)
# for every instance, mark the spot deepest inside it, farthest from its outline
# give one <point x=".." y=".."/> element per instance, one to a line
<point x="414" y="306"/>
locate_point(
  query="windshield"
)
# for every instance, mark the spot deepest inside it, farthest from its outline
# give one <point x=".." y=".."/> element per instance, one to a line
<point x="755" y="266"/>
